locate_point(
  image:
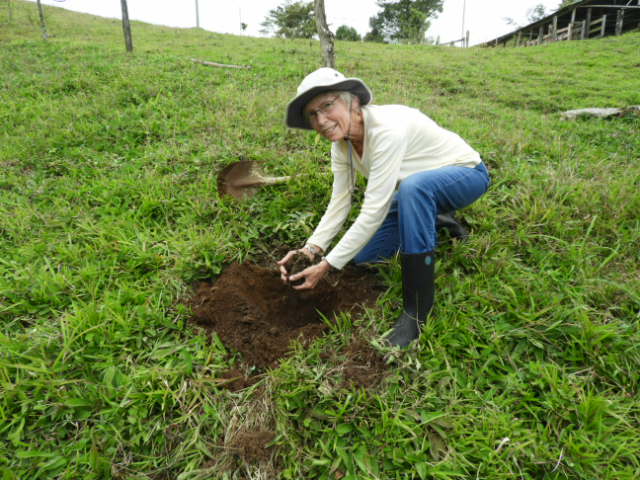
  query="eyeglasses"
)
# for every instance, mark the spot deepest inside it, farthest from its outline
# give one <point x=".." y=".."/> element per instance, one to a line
<point x="325" y="108"/>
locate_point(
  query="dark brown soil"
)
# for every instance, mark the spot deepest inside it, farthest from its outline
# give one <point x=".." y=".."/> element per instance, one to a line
<point x="365" y="367"/>
<point x="299" y="263"/>
<point x="253" y="447"/>
<point x="256" y="314"/>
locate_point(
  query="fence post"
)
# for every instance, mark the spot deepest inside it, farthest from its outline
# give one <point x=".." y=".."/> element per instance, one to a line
<point x="586" y="31"/>
<point x="619" y="21"/>
<point x="603" y="26"/>
<point x="43" y="25"/>
<point x="540" y="34"/>
<point x="126" y="26"/>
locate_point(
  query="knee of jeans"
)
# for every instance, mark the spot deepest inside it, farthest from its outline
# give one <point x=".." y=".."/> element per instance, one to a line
<point x="408" y="187"/>
<point x="411" y="188"/>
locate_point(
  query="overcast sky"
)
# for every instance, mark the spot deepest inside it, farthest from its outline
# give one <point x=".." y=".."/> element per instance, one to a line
<point x="485" y="19"/>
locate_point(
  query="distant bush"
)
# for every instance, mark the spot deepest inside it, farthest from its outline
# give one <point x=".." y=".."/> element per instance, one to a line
<point x="345" y="32"/>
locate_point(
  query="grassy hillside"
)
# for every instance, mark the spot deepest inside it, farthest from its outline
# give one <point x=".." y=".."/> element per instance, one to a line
<point x="528" y="367"/>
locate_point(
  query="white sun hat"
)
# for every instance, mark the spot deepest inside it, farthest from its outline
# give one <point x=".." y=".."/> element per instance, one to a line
<point x="323" y="80"/>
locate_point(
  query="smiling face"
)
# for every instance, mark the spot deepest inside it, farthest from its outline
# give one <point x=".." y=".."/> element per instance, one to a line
<point x="329" y="115"/>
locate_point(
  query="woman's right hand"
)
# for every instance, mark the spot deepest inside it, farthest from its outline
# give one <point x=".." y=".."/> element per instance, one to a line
<point x="284" y="275"/>
<point x="282" y="264"/>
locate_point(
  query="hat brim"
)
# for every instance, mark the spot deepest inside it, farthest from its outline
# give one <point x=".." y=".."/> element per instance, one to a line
<point x="295" y="110"/>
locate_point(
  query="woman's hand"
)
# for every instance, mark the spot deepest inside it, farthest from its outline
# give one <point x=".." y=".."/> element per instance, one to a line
<point x="311" y="275"/>
<point x="284" y="274"/>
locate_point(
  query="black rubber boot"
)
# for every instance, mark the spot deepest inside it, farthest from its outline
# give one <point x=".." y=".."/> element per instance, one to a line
<point x="448" y="222"/>
<point x="417" y="297"/>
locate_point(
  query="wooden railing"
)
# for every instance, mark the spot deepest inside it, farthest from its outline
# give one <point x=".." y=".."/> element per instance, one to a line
<point x="578" y="30"/>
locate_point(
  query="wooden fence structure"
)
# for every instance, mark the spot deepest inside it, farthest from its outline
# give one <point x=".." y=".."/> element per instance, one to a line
<point x="464" y="41"/>
<point x="579" y="21"/>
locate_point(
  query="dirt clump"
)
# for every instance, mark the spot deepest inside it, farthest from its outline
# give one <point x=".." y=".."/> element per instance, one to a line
<point x="298" y="263"/>
<point x="252" y="447"/>
<point x="365" y="367"/>
<point x="256" y="314"/>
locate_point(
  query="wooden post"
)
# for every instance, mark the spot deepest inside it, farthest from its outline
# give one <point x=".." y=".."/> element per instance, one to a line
<point x="466" y="40"/>
<point x="554" y="27"/>
<point x="573" y="15"/>
<point x="326" y="35"/>
<point x="126" y="26"/>
<point x="518" y="38"/>
<point x="603" y="26"/>
<point x="583" y="29"/>
<point x="43" y="25"/>
<point x="540" y="35"/>
<point x="587" y="29"/>
<point x="570" y="32"/>
<point x="619" y="21"/>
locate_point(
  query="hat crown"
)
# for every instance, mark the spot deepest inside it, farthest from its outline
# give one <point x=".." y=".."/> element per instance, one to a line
<point x="319" y="78"/>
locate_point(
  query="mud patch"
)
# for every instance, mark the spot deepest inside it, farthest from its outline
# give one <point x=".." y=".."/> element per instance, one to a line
<point x="365" y="367"/>
<point x="252" y="447"/>
<point x="255" y="314"/>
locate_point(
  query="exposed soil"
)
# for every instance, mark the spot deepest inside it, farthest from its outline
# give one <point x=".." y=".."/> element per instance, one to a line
<point x="257" y="315"/>
<point x="252" y="447"/>
<point x="365" y="367"/>
<point x="298" y="263"/>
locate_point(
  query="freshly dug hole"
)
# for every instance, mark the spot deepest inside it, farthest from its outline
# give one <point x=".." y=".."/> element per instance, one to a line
<point x="256" y="314"/>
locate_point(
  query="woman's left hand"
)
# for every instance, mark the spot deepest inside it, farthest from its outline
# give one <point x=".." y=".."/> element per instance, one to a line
<point x="312" y="275"/>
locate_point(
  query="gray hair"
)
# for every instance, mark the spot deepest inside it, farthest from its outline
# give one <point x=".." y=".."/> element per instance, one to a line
<point x="348" y="98"/>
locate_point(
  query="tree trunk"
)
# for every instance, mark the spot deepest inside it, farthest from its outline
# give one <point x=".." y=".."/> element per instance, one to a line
<point x="43" y="25"/>
<point x="326" y="36"/>
<point x="126" y="26"/>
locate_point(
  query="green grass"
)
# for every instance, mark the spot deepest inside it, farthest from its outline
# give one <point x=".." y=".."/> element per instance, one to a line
<point x="528" y="367"/>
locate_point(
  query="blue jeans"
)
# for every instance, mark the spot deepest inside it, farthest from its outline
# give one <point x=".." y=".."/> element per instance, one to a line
<point x="410" y="225"/>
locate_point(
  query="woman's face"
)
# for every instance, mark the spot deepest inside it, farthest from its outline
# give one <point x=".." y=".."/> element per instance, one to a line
<point x="328" y="114"/>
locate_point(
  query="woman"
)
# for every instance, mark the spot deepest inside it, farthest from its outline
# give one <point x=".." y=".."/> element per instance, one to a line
<point x="416" y="170"/>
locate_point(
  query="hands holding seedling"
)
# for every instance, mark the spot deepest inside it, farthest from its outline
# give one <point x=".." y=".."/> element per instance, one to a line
<point x="298" y="268"/>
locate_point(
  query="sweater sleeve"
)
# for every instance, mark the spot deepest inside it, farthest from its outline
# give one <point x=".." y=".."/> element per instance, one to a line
<point x="339" y="205"/>
<point x="386" y="153"/>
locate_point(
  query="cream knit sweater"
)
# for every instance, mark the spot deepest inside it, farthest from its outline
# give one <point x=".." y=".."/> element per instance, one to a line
<point x="398" y="141"/>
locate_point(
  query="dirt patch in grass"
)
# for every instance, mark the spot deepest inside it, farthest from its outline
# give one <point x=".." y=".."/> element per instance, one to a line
<point x="252" y="447"/>
<point x="257" y="315"/>
<point x="365" y="367"/>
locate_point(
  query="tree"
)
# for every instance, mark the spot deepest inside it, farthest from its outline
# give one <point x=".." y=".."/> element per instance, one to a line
<point x="326" y="36"/>
<point x="403" y="20"/>
<point x="536" y="13"/>
<point x="375" y="34"/>
<point x="291" y="20"/>
<point x="345" y="32"/>
<point x="533" y="15"/>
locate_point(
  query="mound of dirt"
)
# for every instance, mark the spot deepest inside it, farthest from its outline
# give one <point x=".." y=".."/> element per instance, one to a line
<point x="254" y="313"/>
